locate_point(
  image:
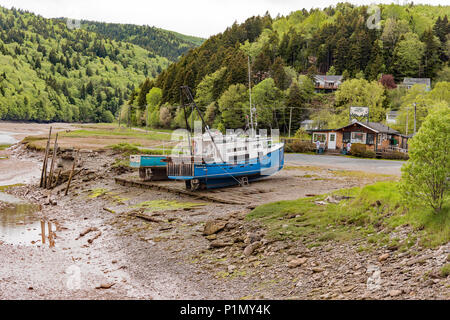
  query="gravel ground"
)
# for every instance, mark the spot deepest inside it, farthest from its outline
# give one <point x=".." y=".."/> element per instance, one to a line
<point x="346" y="163"/>
<point x="168" y="256"/>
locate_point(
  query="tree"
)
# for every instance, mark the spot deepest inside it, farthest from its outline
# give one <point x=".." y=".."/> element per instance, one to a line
<point x="154" y="98"/>
<point x="360" y="92"/>
<point x="425" y="175"/>
<point x="331" y="71"/>
<point x="146" y="86"/>
<point x="165" y="118"/>
<point x="207" y="90"/>
<point x="232" y="104"/>
<point x="408" y="56"/>
<point x="266" y="97"/>
<point x="387" y="80"/>
<point x="443" y="74"/>
<point x="430" y="58"/>
<point x="278" y="74"/>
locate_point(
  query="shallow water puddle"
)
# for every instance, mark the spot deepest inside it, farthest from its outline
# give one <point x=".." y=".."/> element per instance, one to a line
<point x="6" y="138"/>
<point x="19" y="225"/>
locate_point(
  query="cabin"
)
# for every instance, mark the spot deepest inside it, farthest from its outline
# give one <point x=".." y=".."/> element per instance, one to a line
<point x="409" y="82"/>
<point x="325" y="83"/>
<point x="376" y="136"/>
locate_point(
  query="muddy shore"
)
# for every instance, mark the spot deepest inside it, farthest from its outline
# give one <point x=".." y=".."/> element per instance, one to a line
<point x="105" y="249"/>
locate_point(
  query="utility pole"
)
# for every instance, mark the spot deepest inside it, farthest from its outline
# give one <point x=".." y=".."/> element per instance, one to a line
<point x="250" y="94"/>
<point x="407" y="113"/>
<point x="290" y="120"/>
<point x="415" y="112"/>
<point x="146" y="118"/>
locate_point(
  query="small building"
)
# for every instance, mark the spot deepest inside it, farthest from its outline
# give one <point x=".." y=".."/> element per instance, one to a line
<point x="308" y="125"/>
<point x="324" y="83"/>
<point x="376" y="136"/>
<point x="409" y="82"/>
<point x="391" y="117"/>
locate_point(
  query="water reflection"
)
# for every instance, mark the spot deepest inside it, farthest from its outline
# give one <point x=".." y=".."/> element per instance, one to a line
<point x="19" y="225"/>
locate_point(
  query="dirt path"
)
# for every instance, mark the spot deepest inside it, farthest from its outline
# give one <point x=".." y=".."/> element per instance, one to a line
<point x="166" y="255"/>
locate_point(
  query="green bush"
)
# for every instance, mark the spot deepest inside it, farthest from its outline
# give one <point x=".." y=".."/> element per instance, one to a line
<point x="369" y="154"/>
<point x="358" y="149"/>
<point x="425" y="176"/>
<point x="395" y="155"/>
<point x="300" y="146"/>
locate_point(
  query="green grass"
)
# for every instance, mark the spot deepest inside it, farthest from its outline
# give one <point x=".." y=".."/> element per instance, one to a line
<point x="372" y="209"/>
<point x="445" y="270"/>
<point x="3" y="188"/>
<point x="151" y="135"/>
<point x="5" y="146"/>
<point x="133" y="148"/>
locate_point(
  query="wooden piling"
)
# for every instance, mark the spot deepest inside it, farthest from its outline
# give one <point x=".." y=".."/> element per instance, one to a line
<point x="44" y="163"/>
<point x="52" y="166"/>
<point x="57" y="178"/>
<point x="43" y="231"/>
<point x="71" y="172"/>
<point x="51" y="242"/>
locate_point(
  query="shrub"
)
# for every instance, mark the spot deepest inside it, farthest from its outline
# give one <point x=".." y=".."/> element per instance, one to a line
<point x="358" y="149"/>
<point x="302" y="134"/>
<point x="395" y="155"/>
<point x="369" y="154"/>
<point x="300" y="146"/>
<point x="425" y="176"/>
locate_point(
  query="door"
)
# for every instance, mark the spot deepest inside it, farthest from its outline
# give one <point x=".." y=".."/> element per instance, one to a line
<point x="332" y="141"/>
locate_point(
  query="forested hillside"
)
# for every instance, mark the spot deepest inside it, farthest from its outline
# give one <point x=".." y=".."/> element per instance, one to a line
<point x="164" y="43"/>
<point x="412" y="41"/>
<point x="51" y="73"/>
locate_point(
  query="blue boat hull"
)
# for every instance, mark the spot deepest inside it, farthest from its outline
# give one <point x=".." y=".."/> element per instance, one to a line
<point x="149" y="161"/>
<point x="217" y="175"/>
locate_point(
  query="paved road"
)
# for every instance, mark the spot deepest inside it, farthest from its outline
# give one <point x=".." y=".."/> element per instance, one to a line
<point x="347" y="163"/>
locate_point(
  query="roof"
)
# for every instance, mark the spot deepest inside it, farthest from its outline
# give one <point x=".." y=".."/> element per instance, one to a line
<point x="374" y="126"/>
<point x="393" y="113"/>
<point x="328" y="78"/>
<point x="413" y="81"/>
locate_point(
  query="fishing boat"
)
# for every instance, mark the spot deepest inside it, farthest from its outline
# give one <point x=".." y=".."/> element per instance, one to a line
<point x="218" y="161"/>
<point x="151" y="167"/>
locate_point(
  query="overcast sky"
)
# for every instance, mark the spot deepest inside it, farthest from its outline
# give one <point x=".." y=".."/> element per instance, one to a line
<point x="193" y="17"/>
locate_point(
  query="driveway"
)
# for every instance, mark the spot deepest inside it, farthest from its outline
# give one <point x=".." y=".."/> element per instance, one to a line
<point x="346" y="163"/>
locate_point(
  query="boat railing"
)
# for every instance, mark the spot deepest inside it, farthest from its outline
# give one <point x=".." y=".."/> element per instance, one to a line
<point x="180" y="169"/>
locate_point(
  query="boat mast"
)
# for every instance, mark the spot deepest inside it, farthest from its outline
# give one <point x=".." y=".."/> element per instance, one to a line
<point x="250" y="95"/>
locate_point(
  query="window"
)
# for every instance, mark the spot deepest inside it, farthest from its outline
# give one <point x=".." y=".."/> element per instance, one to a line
<point x="370" y="138"/>
<point x="346" y="137"/>
<point x="322" y="137"/>
<point x="358" y="137"/>
<point x="380" y="139"/>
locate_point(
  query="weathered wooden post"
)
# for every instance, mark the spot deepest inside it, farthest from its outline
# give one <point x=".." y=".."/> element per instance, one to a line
<point x="43" y="231"/>
<point x="51" y="243"/>
<point x="44" y="163"/>
<point x="52" y="166"/>
<point x="71" y="172"/>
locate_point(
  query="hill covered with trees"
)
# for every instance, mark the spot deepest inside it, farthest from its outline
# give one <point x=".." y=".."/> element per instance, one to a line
<point x="164" y="43"/>
<point x="285" y="52"/>
<point x="49" y="72"/>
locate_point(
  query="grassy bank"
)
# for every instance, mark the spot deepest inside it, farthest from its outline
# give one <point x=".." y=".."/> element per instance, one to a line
<point x="101" y="137"/>
<point x="372" y="213"/>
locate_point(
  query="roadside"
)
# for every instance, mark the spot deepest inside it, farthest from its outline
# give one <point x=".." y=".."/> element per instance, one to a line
<point x="346" y="163"/>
